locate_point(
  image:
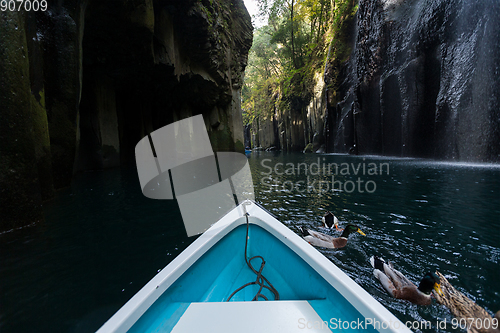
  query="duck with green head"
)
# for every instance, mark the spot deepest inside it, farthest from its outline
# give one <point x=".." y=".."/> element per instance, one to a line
<point x="318" y="239"/>
<point x="398" y="286"/>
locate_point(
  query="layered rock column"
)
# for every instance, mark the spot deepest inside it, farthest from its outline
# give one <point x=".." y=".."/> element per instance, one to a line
<point x="87" y="79"/>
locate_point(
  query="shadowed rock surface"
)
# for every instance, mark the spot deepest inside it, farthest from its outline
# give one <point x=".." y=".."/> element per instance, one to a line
<point x="86" y="80"/>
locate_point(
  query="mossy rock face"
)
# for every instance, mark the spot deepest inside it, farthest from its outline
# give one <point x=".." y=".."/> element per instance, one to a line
<point x="62" y="66"/>
<point x="239" y="147"/>
<point x="340" y="49"/>
<point x="222" y="139"/>
<point x="308" y="148"/>
<point x="20" y="198"/>
<point x="190" y="63"/>
<point x="164" y="63"/>
<point x="42" y="146"/>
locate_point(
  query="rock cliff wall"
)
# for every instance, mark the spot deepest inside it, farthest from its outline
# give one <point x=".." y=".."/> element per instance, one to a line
<point x="402" y="78"/>
<point x="85" y="80"/>
<point x="22" y="156"/>
<point x="422" y="81"/>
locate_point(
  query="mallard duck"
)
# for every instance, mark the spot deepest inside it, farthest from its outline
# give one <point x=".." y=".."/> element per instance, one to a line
<point x="318" y="239"/>
<point x="330" y="221"/>
<point x="463" y="307"/>
<point x="398" y="286"/>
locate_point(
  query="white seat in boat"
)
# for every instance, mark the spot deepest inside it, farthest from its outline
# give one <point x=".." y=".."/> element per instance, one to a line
<point x="243" y="317"/>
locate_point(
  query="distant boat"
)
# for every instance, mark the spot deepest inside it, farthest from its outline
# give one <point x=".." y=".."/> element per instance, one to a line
<point x="248" y="150"/>
<point x="305" y="291"/>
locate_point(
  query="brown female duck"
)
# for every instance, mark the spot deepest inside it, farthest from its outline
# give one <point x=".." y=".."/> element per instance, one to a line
<point x="463" y="307"/>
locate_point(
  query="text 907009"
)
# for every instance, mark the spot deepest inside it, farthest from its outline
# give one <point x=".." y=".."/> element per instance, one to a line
<point x="25" y="5"/>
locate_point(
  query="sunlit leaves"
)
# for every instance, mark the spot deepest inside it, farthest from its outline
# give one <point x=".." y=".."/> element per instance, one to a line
<point x="293" y="40"/>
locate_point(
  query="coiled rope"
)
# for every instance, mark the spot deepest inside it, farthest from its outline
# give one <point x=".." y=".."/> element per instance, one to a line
<point x="261" y="280"/>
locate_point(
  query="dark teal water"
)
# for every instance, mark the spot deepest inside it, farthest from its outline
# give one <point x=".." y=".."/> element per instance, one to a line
<point x="102" y="240"/>
<point x="421" y="215"/>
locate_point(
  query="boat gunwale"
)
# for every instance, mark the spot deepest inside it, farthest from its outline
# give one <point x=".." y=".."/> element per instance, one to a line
<point x="364" y="303"/>
<point x="132" y="311"/>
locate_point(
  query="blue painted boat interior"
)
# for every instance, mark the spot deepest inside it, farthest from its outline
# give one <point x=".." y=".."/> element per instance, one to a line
<point x="222" y="270"/>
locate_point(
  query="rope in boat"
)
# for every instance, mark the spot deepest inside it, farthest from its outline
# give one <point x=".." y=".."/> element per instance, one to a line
<point x="261" y="280"/>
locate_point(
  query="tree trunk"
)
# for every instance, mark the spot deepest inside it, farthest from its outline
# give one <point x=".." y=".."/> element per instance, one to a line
<point x="294" y="60"/>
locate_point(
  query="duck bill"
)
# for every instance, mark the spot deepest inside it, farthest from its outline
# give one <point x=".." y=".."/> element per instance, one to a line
<point x="361" y="232"/>
<point x="437" y="288"/>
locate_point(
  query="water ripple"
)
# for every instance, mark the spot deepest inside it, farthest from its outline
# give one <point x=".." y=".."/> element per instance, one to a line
<point x="424" y="216"/>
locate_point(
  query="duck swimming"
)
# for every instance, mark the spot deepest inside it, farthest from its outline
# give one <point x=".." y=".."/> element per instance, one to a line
<point x="330" y="221"/>
<point x="398" y="286"/>
<point x="463" y="307"/>
<point x="318" y="239"/>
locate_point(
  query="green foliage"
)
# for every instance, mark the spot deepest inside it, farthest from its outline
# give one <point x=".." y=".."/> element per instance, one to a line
<point x="290" y="49"/>
<point x="260" y="103"/>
